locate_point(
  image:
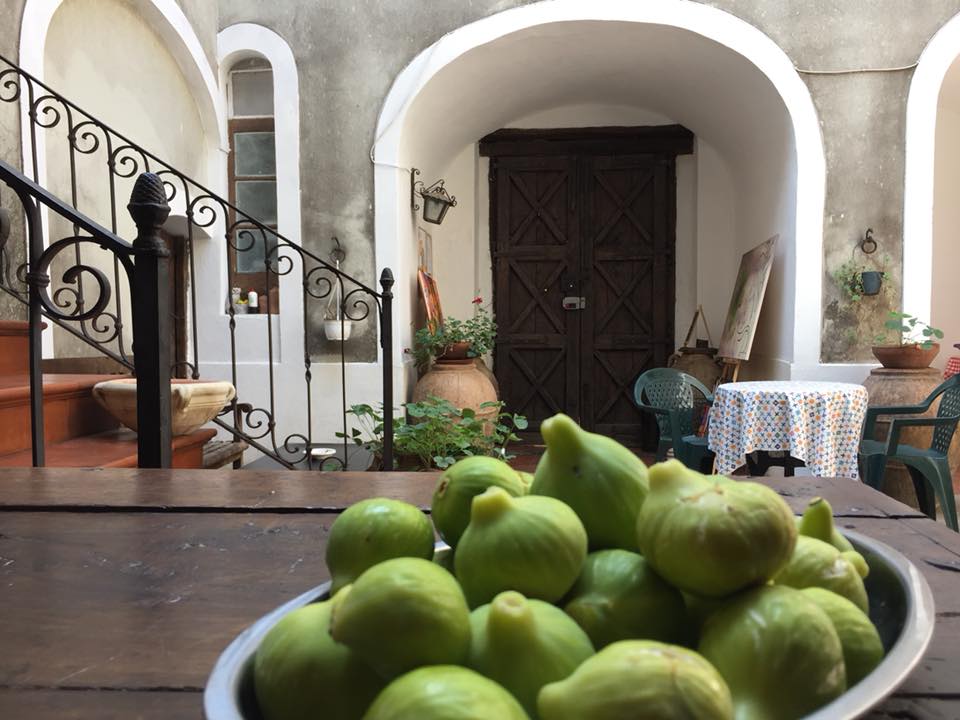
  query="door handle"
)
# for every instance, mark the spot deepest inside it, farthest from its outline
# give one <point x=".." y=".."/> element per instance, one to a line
<point x="573" y="302"/>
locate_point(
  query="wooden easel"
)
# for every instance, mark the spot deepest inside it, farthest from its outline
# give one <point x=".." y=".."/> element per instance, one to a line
<point x="730" y="370"/>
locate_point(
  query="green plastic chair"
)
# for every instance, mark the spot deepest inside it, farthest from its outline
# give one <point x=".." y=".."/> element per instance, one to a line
<point x="669" y="395"/>
<point x="928" y="467"/>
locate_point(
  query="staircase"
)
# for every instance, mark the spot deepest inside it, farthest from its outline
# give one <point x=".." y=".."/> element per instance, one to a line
<point x="273" y="411"/>
<point x="77" y="431"/>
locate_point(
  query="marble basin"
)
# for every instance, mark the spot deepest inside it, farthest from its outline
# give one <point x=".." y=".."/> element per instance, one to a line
<point x="193" y="403"/>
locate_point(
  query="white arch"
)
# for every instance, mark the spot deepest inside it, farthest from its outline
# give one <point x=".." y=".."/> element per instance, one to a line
<point x="719" y="26"/>
<point x="168" y="20"/>
<point x="235" y="43"/>
<point x="935" y="61"/>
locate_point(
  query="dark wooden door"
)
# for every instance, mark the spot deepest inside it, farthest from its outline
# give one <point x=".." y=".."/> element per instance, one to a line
<point x="536" y="250"/>
<point x="588" y="225"/>
<point x="628" y="245"/>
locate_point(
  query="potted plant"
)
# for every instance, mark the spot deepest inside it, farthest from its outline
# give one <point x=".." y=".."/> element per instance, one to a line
<point x="435" y="434"/>
<point x="915" y="345"/>
<point x="857" y="280"/>
<point x="456" y="340"/>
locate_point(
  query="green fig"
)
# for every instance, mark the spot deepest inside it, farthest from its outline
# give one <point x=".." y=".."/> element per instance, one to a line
<point x="374" y="530"/>
<point x="299" y="672"/>
<point x="460" y="483"/>
<point x="599" y="478"/>
<point x="444" y="692"/>
<point x="401" y="614"/>
<point x="815" y="563"/>
<point x="526" y="478"/>
<point x="525" y="644"/>
<point x="618" y="596"/>
<point x="862" y="648"/>
<point x="817" y="522"/>
<point x="778" y="653"/>
<point x="639" y="679"/>
<point x="534" y="545"/>
<point x="712" y="536"/>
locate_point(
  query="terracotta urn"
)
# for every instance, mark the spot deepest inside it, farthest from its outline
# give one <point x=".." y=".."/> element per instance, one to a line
<point x="193" y="403"/>
<point x="460" y="383"/>
<point x="906" y="356"/>
<point x="891" y="386"/>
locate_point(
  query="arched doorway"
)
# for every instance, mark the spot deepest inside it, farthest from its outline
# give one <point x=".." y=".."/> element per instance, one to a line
<point x="930" y="249"/>
<point x="758" y="168"/>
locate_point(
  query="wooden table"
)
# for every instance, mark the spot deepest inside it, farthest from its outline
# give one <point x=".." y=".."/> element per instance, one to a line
<point x="119" y="588"/>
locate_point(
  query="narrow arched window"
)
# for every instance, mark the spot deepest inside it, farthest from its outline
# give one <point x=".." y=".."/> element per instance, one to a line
<point x="252" y="173"/>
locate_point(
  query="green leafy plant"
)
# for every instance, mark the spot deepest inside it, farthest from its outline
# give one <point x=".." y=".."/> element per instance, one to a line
<point x="480" y="331"/>
<point x="849" y="278"/>
<point x="909" y="330"/>
<point x="436" y="434"/>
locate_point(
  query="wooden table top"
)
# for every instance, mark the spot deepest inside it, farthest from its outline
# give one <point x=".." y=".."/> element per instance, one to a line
<point x="119" y="588"/>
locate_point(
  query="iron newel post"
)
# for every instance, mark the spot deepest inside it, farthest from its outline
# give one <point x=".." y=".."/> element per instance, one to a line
<point x="150" y="293"/>
<point x="386" y="343"/>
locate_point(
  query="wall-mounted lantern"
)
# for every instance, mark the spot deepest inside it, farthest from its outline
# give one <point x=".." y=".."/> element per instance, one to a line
<point x="436" y="200"/>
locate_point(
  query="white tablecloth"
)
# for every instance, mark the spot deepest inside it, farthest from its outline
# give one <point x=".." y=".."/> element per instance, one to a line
<point x="816" y="422"/>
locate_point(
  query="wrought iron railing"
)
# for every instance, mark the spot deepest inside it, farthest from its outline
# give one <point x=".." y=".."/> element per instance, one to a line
<point x="97" y="316"/>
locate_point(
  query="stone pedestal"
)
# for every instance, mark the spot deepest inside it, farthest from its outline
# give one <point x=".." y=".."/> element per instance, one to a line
<point x="889" y="386"/>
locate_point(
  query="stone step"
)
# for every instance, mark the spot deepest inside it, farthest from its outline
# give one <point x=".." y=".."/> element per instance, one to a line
<point x="116" y="448"/>
<point x="69" y="410"/>
<point x="14" y="347"/>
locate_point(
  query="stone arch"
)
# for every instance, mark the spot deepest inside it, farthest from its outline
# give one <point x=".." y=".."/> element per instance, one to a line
<point x="394" y="228"/>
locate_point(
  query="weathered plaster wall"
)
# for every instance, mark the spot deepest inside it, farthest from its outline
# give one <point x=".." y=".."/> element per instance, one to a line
<point x="12" y="11"/>
<point x="354" y="50"/>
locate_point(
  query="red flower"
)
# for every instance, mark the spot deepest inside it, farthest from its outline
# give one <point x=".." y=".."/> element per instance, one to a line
<point x="477" y="300"/>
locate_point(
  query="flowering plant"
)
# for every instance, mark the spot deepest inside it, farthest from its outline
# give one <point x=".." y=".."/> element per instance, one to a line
<point x="479" y="332"/>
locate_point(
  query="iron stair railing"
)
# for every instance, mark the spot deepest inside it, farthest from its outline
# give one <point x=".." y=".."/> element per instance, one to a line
<point x="100" y="323"/>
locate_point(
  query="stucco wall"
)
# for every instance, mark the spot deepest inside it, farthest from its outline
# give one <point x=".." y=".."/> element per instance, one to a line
<point x="355" y="50"/>
<point x="946" y="232"/>
<point x="11" y="309"/>
<point x="129" y="80"/>
<point x="862" y="114"/>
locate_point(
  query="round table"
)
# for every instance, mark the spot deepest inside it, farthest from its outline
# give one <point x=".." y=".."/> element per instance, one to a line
<point x="818" y="423"/>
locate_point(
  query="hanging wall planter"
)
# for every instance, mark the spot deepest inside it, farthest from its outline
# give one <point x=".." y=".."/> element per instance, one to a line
<point x="871" y="281"/>
<point x="337" y="329"/>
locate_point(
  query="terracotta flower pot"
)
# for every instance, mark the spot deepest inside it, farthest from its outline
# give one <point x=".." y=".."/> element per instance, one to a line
<point x="905" y="356"/>
<point x="193" y="403"/>
<point x="458" y="352"/>
<point x="461" y="384"/>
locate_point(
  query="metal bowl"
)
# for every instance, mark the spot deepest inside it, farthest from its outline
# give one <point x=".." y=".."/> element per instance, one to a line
<point x="901" y="606"/>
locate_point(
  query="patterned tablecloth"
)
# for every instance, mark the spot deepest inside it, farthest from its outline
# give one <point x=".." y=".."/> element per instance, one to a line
<point x="817" y="422"/>
<point x="953" y="367"/>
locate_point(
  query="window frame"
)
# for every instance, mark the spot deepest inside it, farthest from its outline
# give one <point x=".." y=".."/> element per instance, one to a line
<point x="258" y="280"/>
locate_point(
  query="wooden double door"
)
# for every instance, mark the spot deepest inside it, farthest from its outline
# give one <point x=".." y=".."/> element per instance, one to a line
<point x="583" y="247"/>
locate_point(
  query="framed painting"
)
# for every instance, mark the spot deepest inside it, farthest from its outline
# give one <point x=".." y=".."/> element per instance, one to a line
<point x="744" y="311"/>
<point x="425" y="250"/>
<point x="431" y="300"/>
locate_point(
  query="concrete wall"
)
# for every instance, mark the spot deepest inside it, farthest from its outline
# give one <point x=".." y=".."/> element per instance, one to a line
<point x="129" y="80"/>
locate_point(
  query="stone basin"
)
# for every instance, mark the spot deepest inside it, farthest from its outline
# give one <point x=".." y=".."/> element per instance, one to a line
<point x="193" y="403"/>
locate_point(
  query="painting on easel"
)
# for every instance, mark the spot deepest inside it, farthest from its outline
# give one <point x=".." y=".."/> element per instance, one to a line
<point x="431" y="300"/>
<point x="744" y="312"/>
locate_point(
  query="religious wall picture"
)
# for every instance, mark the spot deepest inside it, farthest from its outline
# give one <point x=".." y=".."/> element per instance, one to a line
<point x="425" y="250"/>
<point x="744" y="311"/>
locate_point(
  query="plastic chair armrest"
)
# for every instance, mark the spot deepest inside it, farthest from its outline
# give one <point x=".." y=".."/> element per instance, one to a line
<point x="897" y="425"/>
